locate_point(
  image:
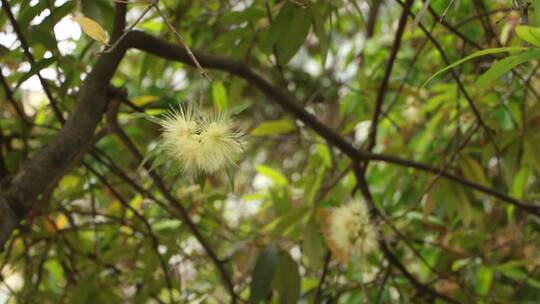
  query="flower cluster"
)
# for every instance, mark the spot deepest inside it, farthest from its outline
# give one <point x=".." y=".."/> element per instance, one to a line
<point x="351" y="229"/>
<point x="200" y="141"/>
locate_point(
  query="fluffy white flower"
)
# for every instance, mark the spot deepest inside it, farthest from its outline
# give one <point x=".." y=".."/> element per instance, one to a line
<point x="199" y="141"/>
<point x="220" y="144"/>
<point x="351" y="229"/>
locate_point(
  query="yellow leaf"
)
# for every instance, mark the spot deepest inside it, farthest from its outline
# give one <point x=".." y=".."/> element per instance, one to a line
<point x="273" y="127"/>
<point x="144" y="100"/>
<point x="92" y="29"/>
<point x="61" y="221"/>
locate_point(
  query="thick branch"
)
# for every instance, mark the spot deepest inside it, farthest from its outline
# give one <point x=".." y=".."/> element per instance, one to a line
<point x="49" y="164"/>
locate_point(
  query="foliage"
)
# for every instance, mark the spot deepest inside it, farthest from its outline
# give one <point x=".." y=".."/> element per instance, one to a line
<point x="118" y="229"/>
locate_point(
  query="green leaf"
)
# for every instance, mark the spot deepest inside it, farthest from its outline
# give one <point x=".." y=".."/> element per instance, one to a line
<point x="287" y="279"/>
<point x="475" y="55"/>
<point x="473" y="171"/>
<point x="28" y="14"/>
<point x="201" y="180"/>
<point x="278" y="27"/>
<point x="531" y="153"/>
<point x="219" y="95"/>
<point x="503" y="66"/>
<point x="484" y="277"/>
<point x="273" y="127"/>
<point x="521" y="181"/>
<point x="458" y="200"/>
<point x="534" y="283"/>
<point x="529" y="34"/>
<point x="288" y="31"/>
<point x="326" y="155"/>
<point x="535" y="12"/>
<point x="85" y="290"/>
<point x="318" y="24"/>
<point x="286" y="223"/>
<point x="230" y="178"/>
<point x="272" y="174"/>
<point x="263" y="274"/>
<point x="41" y="34"/>
<point x="514" y="273"/>
<point x="313" y="247"/>
<point x="298" y="29"/>
<point x="420" y="15"/>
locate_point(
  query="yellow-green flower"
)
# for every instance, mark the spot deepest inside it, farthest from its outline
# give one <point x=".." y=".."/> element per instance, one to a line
<point x="220" y="143"/>
<point x="351" y="229"/>
<point x="199" y="141"/>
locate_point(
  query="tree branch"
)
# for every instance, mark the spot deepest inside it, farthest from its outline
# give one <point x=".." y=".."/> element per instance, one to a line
<point x="160" y="48"/>
<point x="372" y="140"/>
<point x="18" y="195"/>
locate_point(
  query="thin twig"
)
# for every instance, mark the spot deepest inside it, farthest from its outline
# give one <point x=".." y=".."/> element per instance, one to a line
<point x="318" y="292"/>
<point x="182" y="42"/>
<point x="372" y="140"/>
<point x="446" y="10"/>
<point x="148" y="8"/>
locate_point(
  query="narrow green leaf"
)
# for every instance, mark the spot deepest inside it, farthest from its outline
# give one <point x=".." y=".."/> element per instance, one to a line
<point x="520" y="182"/>
<point x="283" y="224"/>
<point x="41" y="34"/>
<point x="529" y="34"/>
<point x="287" y="279"/>
<point x="475" y="55"/>
<point x="201" y="179"/>
<point x="28" y="14"/>
<point x="263" y="274"/>
<point x="279" y="26"/>
<point x="271" y="173"/>
<point x="420" y="15"/>
<point x="505" y="65"/>
<point x="230" y="177"/>
<point x="531" y="153"/>
<point x="219" y="95"/>
<point x="515" y="274"/>
<point x="298" y="29"/>
<point x="318" y="24"/>
<point x="273" y="127"/>
<point x="534" y="283"/>
<point x="312" y="246"/>
<point x="535" y="12"/>
<point x="484" y="277"/>
<point x="472" y="170"/>
<point x="326" y="155"/>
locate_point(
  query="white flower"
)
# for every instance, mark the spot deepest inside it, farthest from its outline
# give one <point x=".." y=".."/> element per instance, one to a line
<point x="351" y="229"/>
<point x="220" y="144"/>
<point x="198" y="141"/>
